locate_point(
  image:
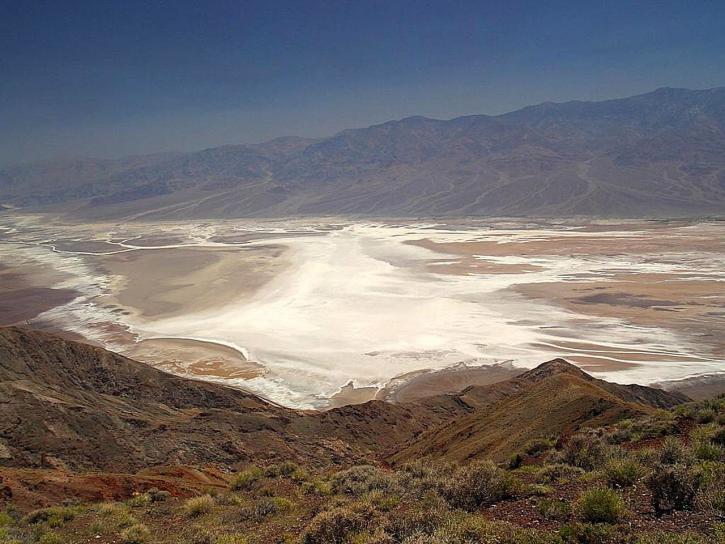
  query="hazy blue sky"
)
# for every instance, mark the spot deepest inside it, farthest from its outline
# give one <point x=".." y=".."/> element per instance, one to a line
<point x="101" y="78"/>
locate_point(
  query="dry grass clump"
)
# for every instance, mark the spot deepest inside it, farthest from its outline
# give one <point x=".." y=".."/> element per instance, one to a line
<point x="554" y="509"/>
<point x="601" y="505"/>
<point x="245" y="479"/>
<point x="136" y="534"/>
<point x="198" y="506"/>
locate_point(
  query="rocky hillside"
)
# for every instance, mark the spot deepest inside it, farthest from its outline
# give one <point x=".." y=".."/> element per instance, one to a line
<point x="554" y="399"/>
<point x="71" y="405"/>
<point x="660" y="153"/>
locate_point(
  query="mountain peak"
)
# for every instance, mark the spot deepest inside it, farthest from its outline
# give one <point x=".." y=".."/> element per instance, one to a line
<point x="553" y="367"/>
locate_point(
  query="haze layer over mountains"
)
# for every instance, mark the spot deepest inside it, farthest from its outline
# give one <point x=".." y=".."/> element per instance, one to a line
<point x="656" y="154"/>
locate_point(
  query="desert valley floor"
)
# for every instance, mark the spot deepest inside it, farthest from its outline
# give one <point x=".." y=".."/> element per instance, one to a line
<point x="313" y="313"/>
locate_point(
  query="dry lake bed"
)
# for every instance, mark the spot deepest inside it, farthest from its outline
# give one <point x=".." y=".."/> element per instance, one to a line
<point x="305" y="311"/>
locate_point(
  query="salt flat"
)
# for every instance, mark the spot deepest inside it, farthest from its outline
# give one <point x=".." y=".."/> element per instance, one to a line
<point x="311" y="305"/>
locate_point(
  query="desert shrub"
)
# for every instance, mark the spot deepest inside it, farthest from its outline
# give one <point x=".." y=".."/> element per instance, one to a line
<point x="316" y="487"/>
<point x="478" y="484"/>
<point x="419" y="517"/>
<point x="660" y="537"/>
<point x="705" y="415"/>
<point x="199" y="535"/>
<point x="198" y="506"/>
<point x="265" y="507"/>
<point x="673" y="487"/>
<point x="585" y="451"/>
<point x="601" y="505"/>
<point x="288" y="468"/>
<point x="538" y="490"/>
<point x="554" y="509"/>
<point x="157" y="495"/>
<point x="231" y="539"/>
<point x="476" y="530"/>
<point x="358" y="480"/>
<point x="711" y="495"/>
<point x="6" y="520"/>
<point x="382" y="501"/>
<point x="558" y="472"/>
<point x="334" y="526"/>
<point x="586" y="533"/>
<point x="136" y="534"/>
<point x="515" y="461"/>
<point x="139" y="500"/>
<point x="245" y="479"/>
<point x="55" y="515"/>
<point x="708" y="451"/>
<point x="49" y="538"/>
<point x="718" y="436"/>
<point x="622" y="472"/>
<point x="673" y="452"/>
<point x="538" y="446"/>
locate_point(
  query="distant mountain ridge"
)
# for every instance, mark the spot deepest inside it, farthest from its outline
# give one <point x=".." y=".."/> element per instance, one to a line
<point x="656" y="154"/>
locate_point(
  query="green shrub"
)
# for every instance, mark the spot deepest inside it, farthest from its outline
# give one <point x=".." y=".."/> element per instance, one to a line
<point x="480" y="483"/>
<point x="538" y="446"/>
<point x="601" y="505"/>
<point x="420" y="517"/>
<point x="585" y="533"/>
<point x="622" y="472"/>
<point x="705" y="415"/>
<point x="673" y="487"/>
<point x="245" y="479"/>
<point x="316" y="487"/>
<point x="139" y="500"/>
<point x="515" y="461"/>
<point x="673" y="452"/>
<point x="470" y="529"/>
<point x="334" y="526"/>
<point x="585" y="451"/>
<point x="50" y="538"/>
<point x="6" y="520"/>
<point x="538" y="490"/>
<point x="231" y="539"/>
<point x="56" y="515"/>
<point x="358" y="480"/>
<point x="660" y="537"/>
<point x="558" y="472"/>
<point x="382" y="501"/>
<point x="136" y="534"/>
<point x="288" y="468"/>
<point x="198" y="506"/>
<point x="554" y="509"/>
<point x="708" y="451"/>
<point x="260" y="509"/>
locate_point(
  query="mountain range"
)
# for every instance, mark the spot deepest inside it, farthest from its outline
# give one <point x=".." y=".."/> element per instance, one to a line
<point x="655" y="154"/>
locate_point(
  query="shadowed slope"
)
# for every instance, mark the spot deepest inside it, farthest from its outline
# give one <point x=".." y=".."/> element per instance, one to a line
<point x="70" y="404"/>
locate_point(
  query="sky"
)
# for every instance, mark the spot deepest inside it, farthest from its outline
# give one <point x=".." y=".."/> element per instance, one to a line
<point x="106" y="79"/>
